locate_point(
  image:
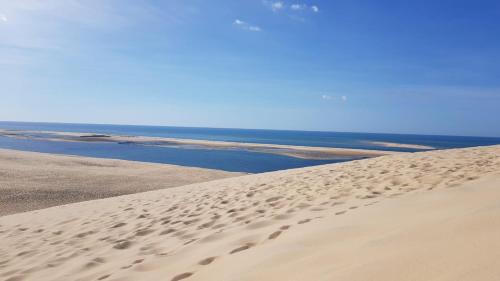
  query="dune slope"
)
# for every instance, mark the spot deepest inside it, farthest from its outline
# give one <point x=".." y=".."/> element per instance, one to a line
<point x="30" y="180"/>
<point x="423" y="216"/>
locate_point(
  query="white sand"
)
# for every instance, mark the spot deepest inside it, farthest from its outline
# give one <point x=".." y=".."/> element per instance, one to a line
<point x="422" y="216"/>
<point x="400" y="145"/>
<point x="30" y="181"/>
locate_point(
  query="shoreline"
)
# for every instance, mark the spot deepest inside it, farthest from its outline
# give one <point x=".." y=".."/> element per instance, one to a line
<point x="401" y="145"/>
<point x="303" y="152"/>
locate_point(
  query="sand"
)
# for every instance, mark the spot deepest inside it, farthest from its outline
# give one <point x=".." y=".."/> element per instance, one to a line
<point x="303" y="152"/>
<point x="422" y="216"/>
<point x="30" y="181"/>
<point x="401" y="145"/>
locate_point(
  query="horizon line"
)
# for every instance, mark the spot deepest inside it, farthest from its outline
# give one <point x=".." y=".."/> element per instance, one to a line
<point x="250" y="129"/>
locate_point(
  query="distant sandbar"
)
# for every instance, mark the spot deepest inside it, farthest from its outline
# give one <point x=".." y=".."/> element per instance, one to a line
<point x="303" y="152"/>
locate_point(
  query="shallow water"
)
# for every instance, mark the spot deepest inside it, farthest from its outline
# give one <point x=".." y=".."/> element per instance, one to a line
<point x="224" y="159"/>
<point x="228" y="160"/>
<point x="306" y="138"/>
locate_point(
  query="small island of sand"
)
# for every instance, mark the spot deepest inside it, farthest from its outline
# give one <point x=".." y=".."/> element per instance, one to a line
<point x="304" y="152"/>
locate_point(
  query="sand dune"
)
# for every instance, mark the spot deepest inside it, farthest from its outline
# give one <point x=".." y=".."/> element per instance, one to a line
<point x="30" y="181"/>
<point x="422" y="216"/>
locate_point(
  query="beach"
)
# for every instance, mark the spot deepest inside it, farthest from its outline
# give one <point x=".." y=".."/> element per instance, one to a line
<point x="32" y="180"/>
<point x="264" y="140"/>
<point x="412" y="216"/>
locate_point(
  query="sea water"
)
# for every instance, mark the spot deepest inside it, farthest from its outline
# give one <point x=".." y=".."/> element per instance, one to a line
<point x="239" y="160"/>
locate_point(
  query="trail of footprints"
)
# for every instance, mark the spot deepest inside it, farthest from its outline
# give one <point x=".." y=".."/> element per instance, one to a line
<point x="263" y="201"/>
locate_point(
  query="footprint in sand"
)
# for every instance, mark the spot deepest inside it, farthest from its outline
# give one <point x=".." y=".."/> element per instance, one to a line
<point x="274" y="235"/>
<point x="207" y="261"/>
<point x="242" y="248"/>
<point x="95" y="262"/>
<point x="120" y="224"/>
<point x="182" y="276"/>
<point x="138" y="261"/>
<point x="304" y="221"/>
<point x="23" y="253"/>
<point x="272" y="199"/>
<point x="83" y="234"/>
<point x="123" y="245"/>
<point x="103" y="277"/>
<point x="144" y="232"/>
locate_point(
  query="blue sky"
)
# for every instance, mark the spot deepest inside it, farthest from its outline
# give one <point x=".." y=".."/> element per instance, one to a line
<point x="429" y="67"/>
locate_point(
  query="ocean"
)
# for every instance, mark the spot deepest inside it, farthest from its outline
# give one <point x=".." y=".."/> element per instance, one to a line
<point x="223" y="159"/>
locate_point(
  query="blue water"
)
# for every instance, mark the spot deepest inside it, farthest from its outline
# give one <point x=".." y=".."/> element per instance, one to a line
<point x="306" y="138"/>
<point x="229" y="160"/>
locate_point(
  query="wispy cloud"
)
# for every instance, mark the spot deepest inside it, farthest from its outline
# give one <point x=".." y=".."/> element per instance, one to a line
<point x="274" y="5"/>
<point x="297" y="7"/>
<point x="330" y="97"/>
<point x="277" y="6"/>
<point x="33" y="30"/>
<point x="246" y="26"/>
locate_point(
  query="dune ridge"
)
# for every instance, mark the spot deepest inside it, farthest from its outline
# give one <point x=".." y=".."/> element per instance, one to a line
<point x="288" y="225"/>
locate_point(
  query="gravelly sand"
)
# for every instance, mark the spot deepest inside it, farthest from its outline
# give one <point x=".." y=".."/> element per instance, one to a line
<point x="30" y="181"/>
<point x="422" y="216"/>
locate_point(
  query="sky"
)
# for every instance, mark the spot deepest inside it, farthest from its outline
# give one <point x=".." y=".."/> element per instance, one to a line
<point x="424" y="67"/>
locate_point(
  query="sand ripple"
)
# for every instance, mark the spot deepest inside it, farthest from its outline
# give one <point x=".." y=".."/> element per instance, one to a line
<point x="173" y="234"/>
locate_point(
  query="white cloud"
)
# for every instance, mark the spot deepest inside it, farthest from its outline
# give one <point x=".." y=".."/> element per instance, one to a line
<point x="298" y="7"/>
<point x="50" y="24"/>
<point x="274" y="5"/>
<point x="277" y="6"/>
<point x="330" y="97"/>
<point x="254" y="28"/>
<point x="245" y="25"/>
